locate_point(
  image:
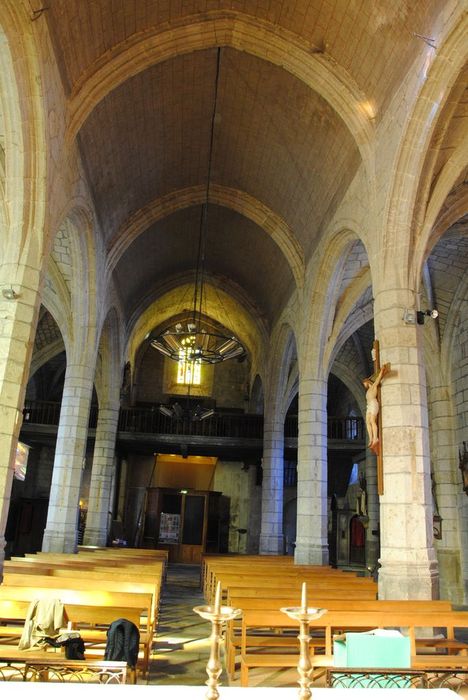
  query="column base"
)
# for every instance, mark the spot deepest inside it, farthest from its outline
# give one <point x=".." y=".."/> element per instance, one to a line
<point x="3" y="544"/>
<point x="271" y="544"/>
<point x="372" y="554"/>
<point x="308" y="553"/>
<point x="451" y="583"/>
<point x="58" y="541"/>
<point x="402" y="580"/>
<point x="95" y="537"/>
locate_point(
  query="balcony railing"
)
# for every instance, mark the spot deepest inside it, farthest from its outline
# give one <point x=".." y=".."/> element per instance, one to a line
<point x="220" y="425"/>
<point x="144" y="420"/>
<point x="338" y="427"/>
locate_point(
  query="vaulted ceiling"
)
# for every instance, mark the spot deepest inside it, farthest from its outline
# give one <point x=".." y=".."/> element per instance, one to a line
<point x="282" y="151"/>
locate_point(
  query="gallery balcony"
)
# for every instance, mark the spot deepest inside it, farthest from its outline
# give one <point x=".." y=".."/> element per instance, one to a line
<point x="144" y="429"/>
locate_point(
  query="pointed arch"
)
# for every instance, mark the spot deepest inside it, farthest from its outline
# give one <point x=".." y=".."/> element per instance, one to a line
<point x="447" y="66"/>
<point x="237" y="200"/>
<point x="239" y="31"/>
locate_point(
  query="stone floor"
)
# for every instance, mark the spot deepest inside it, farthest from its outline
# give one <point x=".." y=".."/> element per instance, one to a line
<point x="182" y="649"/>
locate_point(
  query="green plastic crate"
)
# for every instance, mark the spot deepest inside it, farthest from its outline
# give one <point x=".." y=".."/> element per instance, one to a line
<point x="361" y="650"/>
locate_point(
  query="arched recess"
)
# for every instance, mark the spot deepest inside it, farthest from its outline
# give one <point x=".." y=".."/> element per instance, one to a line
<point x="49" y="340"/>
<point x="238" y="201"/>
<point x="447" y="66"/>
<point x="352" y="382"/>
<point x="109" y="368"/>
<point x="282" y="370"/>
<point x="23" y="145"/>
<point x="217" y="305"/>
<point x="70" y="286"/>
<point x="338" y="281"/>
<point x="256" y="404"/>
<point x="241" y="32"/>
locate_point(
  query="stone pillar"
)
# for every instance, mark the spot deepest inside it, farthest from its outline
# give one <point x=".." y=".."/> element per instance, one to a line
<point x="372" y="540"/>
<point x="18" y="317"/>
<point x="100" y="488"/>
<point x="408" y="563"/>
<point x="447" y="491"/>
<point x="312" y="477"/>
<point x="61" y="531"/>
<point x="271" y="532"/>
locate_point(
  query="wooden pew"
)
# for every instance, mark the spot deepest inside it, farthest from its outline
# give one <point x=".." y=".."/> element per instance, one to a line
<point x="342" y="620"/>
<point x="84" y="560"/>
<point x="233" y="632"/>
<point x="274" y="572"/>
<point x="95" y="571"/>
<point x="77" y="581"/>
<point x="269" y="579"/>
<point x="86" y="612"/>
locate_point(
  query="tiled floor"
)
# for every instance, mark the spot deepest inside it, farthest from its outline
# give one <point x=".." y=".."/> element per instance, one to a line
<point x="182" y="648"/>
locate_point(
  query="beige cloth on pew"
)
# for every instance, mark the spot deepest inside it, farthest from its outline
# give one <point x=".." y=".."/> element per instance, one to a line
<point x="44" y="619"/>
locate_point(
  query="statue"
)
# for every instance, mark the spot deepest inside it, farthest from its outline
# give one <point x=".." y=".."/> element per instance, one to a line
<point x="372" y="384"/>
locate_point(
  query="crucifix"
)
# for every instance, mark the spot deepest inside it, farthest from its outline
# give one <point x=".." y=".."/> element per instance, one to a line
<point x="373" y="414"/>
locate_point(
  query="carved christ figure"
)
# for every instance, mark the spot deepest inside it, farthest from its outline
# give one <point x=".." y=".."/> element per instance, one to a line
<point x="372" y="411"/>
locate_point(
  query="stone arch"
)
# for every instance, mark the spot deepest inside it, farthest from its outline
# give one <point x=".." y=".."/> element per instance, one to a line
<point x="109" y="367"/>
<point x="239" y="31"/>
<point x="324" y="294"/>
<point x="454" y="207"/>
<point x="453" y="171"/>
<point x="48" y="362"/>
<point x="12" y="164"/>
<point x="282" y="368"/>
<point x="234" y="315"/>
<point x="237" y="200"/>
<point x="256" y="396"/>
<point x="446" y="68"/>
<point x="24" y="139"/>
<point x="352" y="382"/>
<point x="73" y="268"/>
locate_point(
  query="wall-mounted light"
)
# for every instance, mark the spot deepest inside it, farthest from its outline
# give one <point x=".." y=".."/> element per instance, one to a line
<point x="429" y="313"/>
<point x="411" y="316"/>
<point x="9" y="293"/>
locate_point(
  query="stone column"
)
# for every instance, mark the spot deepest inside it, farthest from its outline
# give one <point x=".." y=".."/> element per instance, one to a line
<point x="18" y="318"/>
<point x="312" y="477"/>
<point x="271" y="532"/>
<point x="408" y="563"/>
<point x="372" y="540"/>
<point x="447" y="490"/>
<point x="100" y="488"/>
<point x="61" y="530"/>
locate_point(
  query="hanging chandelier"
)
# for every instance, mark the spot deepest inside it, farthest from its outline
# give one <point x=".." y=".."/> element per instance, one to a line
<point x="197" y="339"/>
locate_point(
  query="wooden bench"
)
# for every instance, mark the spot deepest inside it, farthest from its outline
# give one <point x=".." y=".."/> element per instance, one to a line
<point x="264" y="565"/>
<point x="76" y="580"/>
<point x="19" y="565"/>
<point x="88" y="612"/>
<point x="233" y="631"/>
<point x="276" y="575"/>
<point x="343" y="620"/>
<point x="85" y="561"/>
<point x="360" y="588"/>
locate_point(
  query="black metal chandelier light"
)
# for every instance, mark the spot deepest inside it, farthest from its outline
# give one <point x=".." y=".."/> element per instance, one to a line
<point x="198" y="340"/>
